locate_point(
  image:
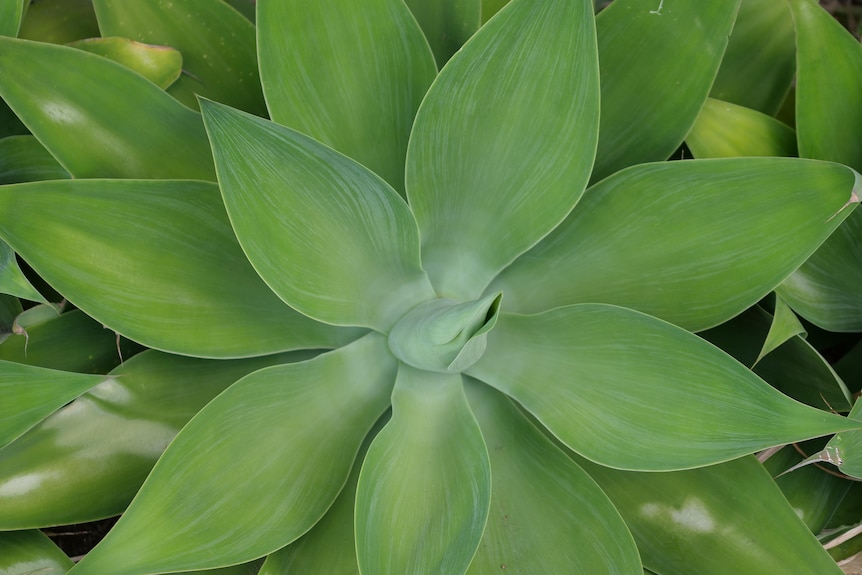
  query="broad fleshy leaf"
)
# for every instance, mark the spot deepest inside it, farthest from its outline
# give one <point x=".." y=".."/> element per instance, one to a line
<point x="59" y="21"/>
<point x="758" y="65"/>
<point x="785" y="325"/>
<point x="328" y="236"/>
<point x="11" y="12"/>
<point x="504" y="141"/>
<point x="845" y="449"/>
<point x="161" y="65"/>
<point x="29" y="394"/>
<point x="725" y="130"/>
<point x="30" y="553"/>
<point x="218" y="51"/>
<point x="630" y="391"/>
<point x="547" y="515"/>
<point x="87" y="460"/>
<point x="652" y="90"/>
<point x="795" y="368"/>
<point x="12" y="279"/>
<point x="290" y="434"/>
<point x="703" y="521"/>
<point x="827" y="290"/>
<point x="685" y="241"/>
<point x="425" y="486"/>
<point x="349" y="74"/>
<point x="98" y="118"/>
<point x="447" y="24"/>
<point x="24" y="159"/>
<point x="156" y="261"/>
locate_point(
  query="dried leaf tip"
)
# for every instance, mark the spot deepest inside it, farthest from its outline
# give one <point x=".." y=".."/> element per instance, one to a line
<point x="854" y="197"/>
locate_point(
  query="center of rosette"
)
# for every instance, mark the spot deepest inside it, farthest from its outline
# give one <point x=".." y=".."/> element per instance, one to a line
<point x="443" y="334"/>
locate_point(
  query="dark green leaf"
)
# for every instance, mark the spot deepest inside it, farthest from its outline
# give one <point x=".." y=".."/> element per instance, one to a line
<point x="447" y="24"/>
<point x="31" y="553"/>
<point x="12" y="280"/>
<point x="59" y="21"/>
<point x="24" y="159"/>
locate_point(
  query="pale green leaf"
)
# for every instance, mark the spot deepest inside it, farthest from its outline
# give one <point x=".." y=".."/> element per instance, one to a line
<point x="827" y="290"/>
<point x="658" y="59"/>
<point x="349" y="74"/>
<point x="425" y="487"/>
<point x="447" y="24"/>
<point x="728" y="518"/>
<point x="547" y="515"/>
<point x="30" y="394"/>
<point x="217" y="45"/>
<point x="31" y="553"/>
<point x="692" y="242"/>
<point x="98" y="118"/>
<point x="630" y="391"/>
<point x="11" y="13"/>
<point x="87" y="460"/>
<point x="758" y="65"/>
<point x="280" y="441"/>
<point x="725" y="130"/>
<point x="503" y="143"/>
<point x="156" y="261"/>
<point x="24" y="159"/>
<point x="845" y="449"/>
<point x="327" y="235"/>
<point x="161" y="65"/>
<point x="785" y="325"/>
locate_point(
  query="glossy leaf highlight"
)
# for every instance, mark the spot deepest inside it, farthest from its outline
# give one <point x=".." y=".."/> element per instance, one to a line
<point x="161" y="65"/>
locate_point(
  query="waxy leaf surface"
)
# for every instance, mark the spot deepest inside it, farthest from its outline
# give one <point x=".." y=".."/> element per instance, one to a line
<point x="684" y="241"/>
<point x="328" y="236"/>
<point x="24" y="159"/>
<point x="547" y="515"/>
<point x="425" y="485"/>
<point x="218" y="49"/>
<point x="161" y="65"/>
<point x="156" y="261"/>
<point x="98" y="118"/>
<point x="725" y="130"/>
<point x="447" y="24"/>
<point x="349" y="74"/>
<point x="504" y="141"/>
<point x="29" y="553"/>
<point x="701" y="521"/>
<point x="12" y="279"/>
<point x="11" y="12"/>
<point x="29" y="394"/>
<point x="629" y="391"/>
<point x="651" y="89"/>
<point x="59" y="21"/>
<point x="280" y="441"/>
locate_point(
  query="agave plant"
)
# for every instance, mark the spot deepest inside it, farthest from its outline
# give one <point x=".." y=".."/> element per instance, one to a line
<point x="500" y="336"/>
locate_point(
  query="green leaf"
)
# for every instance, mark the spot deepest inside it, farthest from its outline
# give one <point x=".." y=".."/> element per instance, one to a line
<point x="785" y="325"/>
<point x="161" y="65"/>
<point x="725" y="130"/>
<point x="503" y="143"/>
<point x="629" y="391"/>
<point x="10" y="307"/>
<point x="349" y="74"/>
<point x="827" y="290"/>
<point x="12" y="279"/>
<point x="491" y="7"/>
<point x="87" y="460"/>
<point x="11" y="12"/>
<point x="156" y="261"/>
<point x="693" y="242"/>
<point x="758" y="65"/>
<point x="702" y="521"/>
<point x="280" y="441"/>
<point x="652" y="90"/>
<point x="795" y="368"/>
<point x="24" y="159"/>
<point x="59" y="21"/>
<point x="29" y="553"/>
<point x="30" y="394"/>
<point x="447" y="24"/>
<point x="425" y="486"/>
<point x="98" y="118"/>
<point x="845" y="449"/>
<point x="547" y="515"/>
<point x="330" y="546"/>
<point x="217" y="45"/>
<point x="327" y="235"/>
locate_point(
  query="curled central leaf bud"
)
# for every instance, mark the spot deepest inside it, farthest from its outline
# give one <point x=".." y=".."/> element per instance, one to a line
<point x="443" y="334"/>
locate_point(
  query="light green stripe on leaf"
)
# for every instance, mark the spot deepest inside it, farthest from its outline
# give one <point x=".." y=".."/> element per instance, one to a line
<point x="503" y="143"/>
<point x="156" y="261"/>
<point x="629" y="391"/>
<point x="289" y="434"/>
<point x="425" y="485"/>
<point x="652" y="90"/>
<point x="98" y="118"/>
<point x="349" y="74"/>
<point x="328" y="236"/>
<point x="692" y="242"/>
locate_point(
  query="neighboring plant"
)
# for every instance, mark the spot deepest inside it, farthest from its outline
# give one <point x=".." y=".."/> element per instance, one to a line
<point x="507" y="347"/>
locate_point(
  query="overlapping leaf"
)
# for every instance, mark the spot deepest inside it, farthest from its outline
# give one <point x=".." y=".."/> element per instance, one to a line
<point x="447" y="24"/>
<point x="725" y="130"/>
<point x="33" y="551"/>
<point x="161" y="65"/>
